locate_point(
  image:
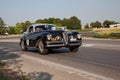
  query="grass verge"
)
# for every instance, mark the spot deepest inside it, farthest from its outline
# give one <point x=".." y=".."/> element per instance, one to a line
<point x="107" y="33"/>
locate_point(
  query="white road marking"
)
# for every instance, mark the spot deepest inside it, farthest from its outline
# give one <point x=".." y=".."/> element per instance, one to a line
<point x="88" y="75"/>
<point x="88" y="45"/>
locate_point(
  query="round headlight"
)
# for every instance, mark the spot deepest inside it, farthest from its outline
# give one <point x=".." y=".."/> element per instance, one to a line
<point x="49" y="36"/>
<point x="79" y="36"/>
<point x="58" y="37"/>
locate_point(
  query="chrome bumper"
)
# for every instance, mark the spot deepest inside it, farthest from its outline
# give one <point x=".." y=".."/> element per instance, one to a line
<point x="62" y="44"/>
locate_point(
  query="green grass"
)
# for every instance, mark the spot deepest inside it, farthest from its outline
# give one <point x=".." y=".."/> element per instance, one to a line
<point x="86" y="30"/>
<point x="108" y="33"/>
<point x="78" y="30"/>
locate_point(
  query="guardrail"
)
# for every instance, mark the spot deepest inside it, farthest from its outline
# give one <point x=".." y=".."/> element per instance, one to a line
<point x="116" y="34"/>
<point x="88" y="34"/>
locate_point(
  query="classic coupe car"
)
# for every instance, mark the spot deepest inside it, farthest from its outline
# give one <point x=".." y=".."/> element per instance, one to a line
<point x="45" y="37"/>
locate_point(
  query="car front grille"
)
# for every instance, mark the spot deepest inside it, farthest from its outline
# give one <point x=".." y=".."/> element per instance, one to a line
<point x="65" y="38"/>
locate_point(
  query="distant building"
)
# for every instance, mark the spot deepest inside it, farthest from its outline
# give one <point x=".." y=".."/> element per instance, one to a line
<point x="115" y="25"/>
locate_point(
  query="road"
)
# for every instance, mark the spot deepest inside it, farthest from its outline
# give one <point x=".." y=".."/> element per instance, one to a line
<point x="96" y="57"/>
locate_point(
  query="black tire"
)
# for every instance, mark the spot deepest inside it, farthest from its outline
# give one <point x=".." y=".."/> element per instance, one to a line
<point x="73" y="48"/>
<point x="22" y="45"/>
<point x="42" y="49"/>
<point x="50" y="50"/>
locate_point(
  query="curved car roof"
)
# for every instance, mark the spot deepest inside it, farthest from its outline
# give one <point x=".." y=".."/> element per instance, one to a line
<point x="40" y="24"/>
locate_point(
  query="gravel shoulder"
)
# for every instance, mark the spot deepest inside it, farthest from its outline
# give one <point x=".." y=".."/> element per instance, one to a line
<point x="55" y="73"/>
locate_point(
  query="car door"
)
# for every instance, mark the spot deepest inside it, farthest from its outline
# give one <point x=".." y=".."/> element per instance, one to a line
<point x="30" y="37"/>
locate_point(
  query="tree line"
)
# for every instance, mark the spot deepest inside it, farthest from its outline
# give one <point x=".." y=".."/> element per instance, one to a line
<point x="98" y="24"/>
<point x="71" y="23"/>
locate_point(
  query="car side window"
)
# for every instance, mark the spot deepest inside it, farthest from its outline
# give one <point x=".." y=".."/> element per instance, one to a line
<point x="37" y="29"/>
<point x="31" y="29"/>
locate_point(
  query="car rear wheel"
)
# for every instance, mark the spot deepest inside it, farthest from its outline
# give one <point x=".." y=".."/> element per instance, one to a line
<point x="22" y="44"/>
<point x="73" y="48"/>
<point x="42" y="49"/>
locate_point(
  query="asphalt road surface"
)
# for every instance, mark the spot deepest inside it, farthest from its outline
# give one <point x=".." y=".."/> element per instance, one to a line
<point x="96" y="56"/>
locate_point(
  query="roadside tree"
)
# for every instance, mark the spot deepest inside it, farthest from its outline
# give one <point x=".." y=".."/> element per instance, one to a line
<point x="2" y="26"/>
<point x="75" y="23"/>
<point x="11" y="30"/>
<point x="18" y="28"/>
<point x="72" y="23"/>
<point x="96" y="24"/>
<point x="106" y="23"/>
<point x="87" y="26"/>
<point x="25" y="25"/>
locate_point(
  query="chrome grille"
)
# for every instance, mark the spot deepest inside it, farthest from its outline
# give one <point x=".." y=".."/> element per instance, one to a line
<point x="65" y="38"/>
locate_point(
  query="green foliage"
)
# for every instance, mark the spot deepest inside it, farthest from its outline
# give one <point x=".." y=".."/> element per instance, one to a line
<point x="26" y="25"/>
<point x="11" y="30"/>
<point x="106" y="23"/>
<point x="107" y="33"/>
<point x="85" y="30"/>
<point x="58" y="22"/>
<point x="66" y="22"/>
<point x="21" y="27"/>
<point x="2" y="26"/>
<point x="75" y="23"/>
<point x="87" y="26"/>
<point x="71" y="23"/>
<point x="102" y="35"/>
<point x="115" y="35"/>
<point x="55" y="21"/>
<point x="111" y="35"/>
<point x="41" y="21"/>
<point x="96" y="24"/>
<point x="51" y="20"/>
<point x="2" y="30"/>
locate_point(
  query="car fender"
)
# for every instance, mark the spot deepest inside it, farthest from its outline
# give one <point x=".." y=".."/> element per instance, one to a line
<point x="41" y="36"/>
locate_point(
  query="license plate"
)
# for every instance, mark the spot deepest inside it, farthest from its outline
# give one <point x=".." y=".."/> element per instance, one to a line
<point x="53" y="39"/>
<point x="72" y="39"/>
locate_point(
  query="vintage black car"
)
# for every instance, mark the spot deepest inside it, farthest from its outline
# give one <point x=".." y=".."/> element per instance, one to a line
<point x="45" y="37"/>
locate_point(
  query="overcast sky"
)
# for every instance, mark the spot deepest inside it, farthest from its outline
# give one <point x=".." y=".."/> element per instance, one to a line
<point x="13" y="11"/>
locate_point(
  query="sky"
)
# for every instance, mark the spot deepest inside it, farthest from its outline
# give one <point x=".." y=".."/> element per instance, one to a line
<point x="14" y="11"/>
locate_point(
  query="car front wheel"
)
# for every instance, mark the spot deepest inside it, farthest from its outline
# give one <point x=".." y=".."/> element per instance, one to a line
<point x="22" y="44"/>
<point x="42" y="49"/>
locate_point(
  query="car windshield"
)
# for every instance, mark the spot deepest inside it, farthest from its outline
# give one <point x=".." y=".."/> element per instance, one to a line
<point x="39" y="28"/>
<point x="51" y="27"/>
<point x="43" y="27"/>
